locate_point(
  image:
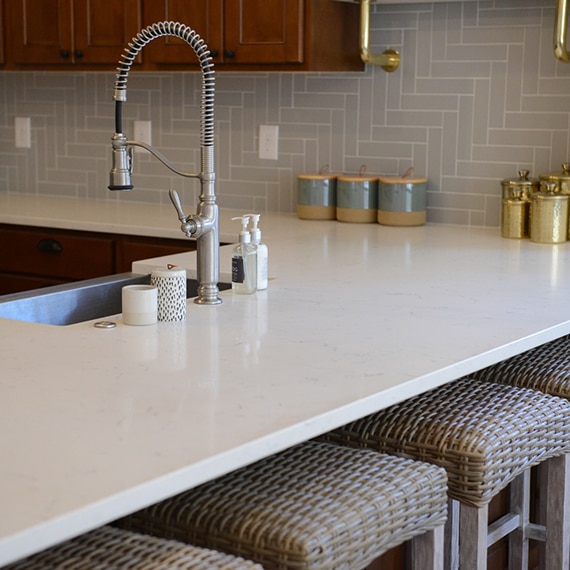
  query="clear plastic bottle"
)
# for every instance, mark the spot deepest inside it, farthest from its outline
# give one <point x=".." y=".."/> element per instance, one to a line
<point x="244" y="262"/>
<point x="262" y="252"/>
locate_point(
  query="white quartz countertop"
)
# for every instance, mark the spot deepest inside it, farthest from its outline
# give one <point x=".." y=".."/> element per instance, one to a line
<point x="95" y="424"/>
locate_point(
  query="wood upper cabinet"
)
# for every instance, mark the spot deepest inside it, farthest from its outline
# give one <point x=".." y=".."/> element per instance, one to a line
<point x="1" y="33"/>
<point x="279" y="35"/>
<point x="257" y="35"/>
<point x="203" y="16"/>
<point x="69" y="32"/>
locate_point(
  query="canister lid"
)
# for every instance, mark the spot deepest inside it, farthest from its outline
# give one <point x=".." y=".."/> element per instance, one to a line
<point x="551" y="192"/>
<point x="316" y="176"/>
<point x="357" y="178"/>
<point x="407" y="178"/>
<point x="558" y="176"/>
<point x="523" y="181"/>
<point x="360" y="177"/>
<point x="322" y="174"/>
<point x="401" y="180"/>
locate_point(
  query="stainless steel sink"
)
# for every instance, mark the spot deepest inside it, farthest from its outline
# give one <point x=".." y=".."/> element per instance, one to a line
<point x="77" y="302"/>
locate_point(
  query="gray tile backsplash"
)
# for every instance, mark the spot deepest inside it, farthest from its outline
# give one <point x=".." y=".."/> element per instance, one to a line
<point x="479" y="95"/>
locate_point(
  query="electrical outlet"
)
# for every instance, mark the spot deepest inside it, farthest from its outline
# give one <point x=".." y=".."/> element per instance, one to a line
<point x="142" y="133"/>
<point x="22" y="132"/>
<point x="268" y="142"/>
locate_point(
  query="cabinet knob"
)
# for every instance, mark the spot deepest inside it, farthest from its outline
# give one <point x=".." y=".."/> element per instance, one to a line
<point x="64" y="54"/>
<point x="49" y="245"/>
<point x="78" y="53"/>
<point x="214" y="53"/>
<point x="229" y="53"/>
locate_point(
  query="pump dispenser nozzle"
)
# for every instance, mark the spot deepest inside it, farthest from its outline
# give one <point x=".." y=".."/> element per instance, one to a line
<point x="255" y="231"/>
<point x="244" y="235"/>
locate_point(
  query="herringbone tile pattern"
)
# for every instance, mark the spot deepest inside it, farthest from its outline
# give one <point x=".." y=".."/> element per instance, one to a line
<point x="478" y="96"/>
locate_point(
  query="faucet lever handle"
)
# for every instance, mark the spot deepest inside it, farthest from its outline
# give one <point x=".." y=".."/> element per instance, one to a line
<point x="188" y="226"/>
<point x="175" y="199"/>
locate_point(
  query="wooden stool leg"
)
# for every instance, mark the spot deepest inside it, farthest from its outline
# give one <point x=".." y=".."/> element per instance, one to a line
<point x="451" y="549"/>
<point x="427" y="550"/>
<point x="558" y="513"/>
<point x="520" y="505"/>
<point x="473" y="524"/>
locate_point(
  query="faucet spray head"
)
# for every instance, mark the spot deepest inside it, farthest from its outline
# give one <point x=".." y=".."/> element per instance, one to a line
<point x="122" y="169"/>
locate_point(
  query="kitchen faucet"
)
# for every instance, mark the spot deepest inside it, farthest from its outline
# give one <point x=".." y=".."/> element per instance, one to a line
<point x="203" y="225"/>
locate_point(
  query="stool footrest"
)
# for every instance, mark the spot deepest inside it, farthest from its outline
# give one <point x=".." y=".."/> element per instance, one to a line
<point x="502" y="527"/>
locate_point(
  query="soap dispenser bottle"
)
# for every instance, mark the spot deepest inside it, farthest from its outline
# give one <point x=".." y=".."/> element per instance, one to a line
<point x="261" y="251"/>
<point x="244" y="262"/>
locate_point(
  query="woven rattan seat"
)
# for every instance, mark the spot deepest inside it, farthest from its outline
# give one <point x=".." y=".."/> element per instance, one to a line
<point x="485" y="435"/>
<point x="314" y="506"/>
<point x="545" y="368"/>
<point x="109" y="548"/>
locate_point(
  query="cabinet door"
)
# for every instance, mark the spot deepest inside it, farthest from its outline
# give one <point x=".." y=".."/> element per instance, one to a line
<point x="1" y="32"/>
<point x="40" y="31"/>
<point x="203" y="16"/>
<point x="133" y="248"/>
<point x="264" y="31"/>
<point x="102" y="29"/>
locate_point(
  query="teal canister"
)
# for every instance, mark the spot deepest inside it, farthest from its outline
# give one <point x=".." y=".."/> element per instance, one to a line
<point x="357" y="198"/>
<point x="316" y="196"/>
<point x="402" y="200"/>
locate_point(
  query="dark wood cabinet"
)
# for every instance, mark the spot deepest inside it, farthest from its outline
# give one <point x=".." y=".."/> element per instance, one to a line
<point x="302" y="35"/>
<point x="33" y="257"/>
<point x="203" y="16"/>
<point x="75" y="33"/>
<point x="2" y="33"/>
<point x="257" y="35"/>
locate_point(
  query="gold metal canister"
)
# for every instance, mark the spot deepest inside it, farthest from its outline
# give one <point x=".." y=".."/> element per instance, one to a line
<point x="515" y="216"/>
<point x="526" y="185"/>
<point x="562" y="179"/>
<point x="549" y="216"/>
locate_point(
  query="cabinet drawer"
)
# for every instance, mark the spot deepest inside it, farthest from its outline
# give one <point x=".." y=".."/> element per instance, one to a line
<point x="13" y="283"/>
<point x="56" y="254"/>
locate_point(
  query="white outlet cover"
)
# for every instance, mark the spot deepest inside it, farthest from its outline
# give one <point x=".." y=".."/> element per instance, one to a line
<point x="22" y="132"/>
<point x="142" y="133"/>
<point x="268" y="142"/>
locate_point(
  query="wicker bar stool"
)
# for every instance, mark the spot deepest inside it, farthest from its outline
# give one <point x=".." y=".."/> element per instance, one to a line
<point x="314" y="506"/>
<point x="109" y="548"/>
<point x="486" y="436"/>
<point x="545" y="368"/>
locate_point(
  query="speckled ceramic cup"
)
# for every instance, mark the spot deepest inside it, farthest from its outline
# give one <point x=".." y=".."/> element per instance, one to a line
<point x="171" y="285"/>
<point x="316" y="196"/>
<point x="357" y="198"/>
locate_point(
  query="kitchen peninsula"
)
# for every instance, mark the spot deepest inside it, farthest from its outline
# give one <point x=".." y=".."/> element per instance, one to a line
<point x="98" y="423"/>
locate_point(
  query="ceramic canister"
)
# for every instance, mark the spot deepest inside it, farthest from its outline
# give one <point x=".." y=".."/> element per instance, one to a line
<point x="316" y="196"/>
<point x="357" y="198"/>
<point x="171" y="285"/>
<point x="402" y="200"/>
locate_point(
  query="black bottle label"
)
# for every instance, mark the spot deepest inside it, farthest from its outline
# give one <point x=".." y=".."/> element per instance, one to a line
<point x="238" y="275"/>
